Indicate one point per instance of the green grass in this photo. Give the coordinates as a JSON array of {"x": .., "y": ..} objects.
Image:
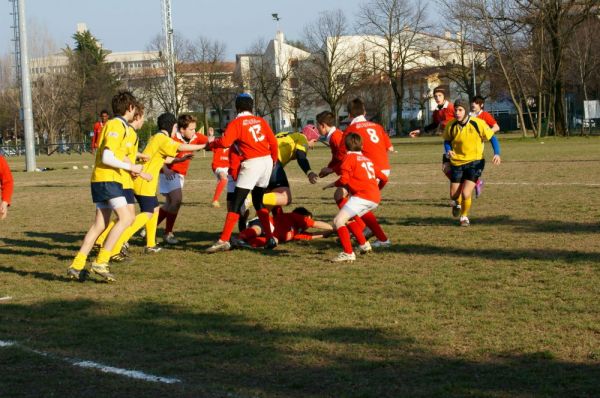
[{"x": 505, "y": 308}]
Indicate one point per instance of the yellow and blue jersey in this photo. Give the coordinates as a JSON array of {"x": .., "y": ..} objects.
[
  {"x": 159, "y": 147},
  {"x": 467, "y": 141},
  {"x": 288, "y": 144},
  {"x": 112, "y": 137}
]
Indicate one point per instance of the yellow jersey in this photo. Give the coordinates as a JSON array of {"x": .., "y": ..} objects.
[
  {"x": 467, "y": 141},
  {"x": 128, "y": 149},
  {"x": 159, "y": 147},
  {"x": 288, "y": 144},
  {"x": 112, "y": 136}
]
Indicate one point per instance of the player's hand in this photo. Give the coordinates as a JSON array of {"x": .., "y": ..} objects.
[
  {"x": 451, "y": 154},
  {"x": 146, "y": 176},
  {"x": 136, "y": 168},
  {"x": 414, "y": 133},
  {"x": 187, "y": 156},
  {"x": 496, "y": 160},
  {"x": 313, "y": 177},
  {"x": 325, "y": 171},
  {"x": 143, "y": 157},
  {"x": 331, "y": 185},
  {"x": 3, "y": 210}
]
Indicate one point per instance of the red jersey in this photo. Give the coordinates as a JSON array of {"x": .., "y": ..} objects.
[
  {"x": 6, "y": 180},
  {"x": 220, "y": 158},
  {"x": 486, "y": 117},
  {"x": 253, "y": 136},
  {"x": 375, "y": 141},
  {"x": 359, "y": 175},
  {"x": 441, "y": 116},
  {"x": 336, "y": 144},
  {"x": 98, "y": 126},
  {"x": 287, "y": 225},
  {"x": 182, "y": 167},
  {"x": 235, "y": 162}
]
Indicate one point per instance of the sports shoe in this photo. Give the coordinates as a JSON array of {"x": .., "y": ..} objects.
[
  {"x": 125, "y": 249},
  {"x": 152, "y": 249},
  {"x": 344, "y": 257},
  {"x": 219, "y": 246},
  {"x": 103, "y": 270},
  {"x": 455, "y": 209},
  {"x": 95, "y": 249},
  {"x": 240, "y": 244},
  {"x": 120, "y": 258},
  {"x": 271, "y": 244},
  {"x": 364, "y": 249},
  {"x": 216, "y": 204},
  {"x": 379, "y": 243},
  {"x": 77, "y": 274},
  {"x": 464, "y": 221},
  {"x": 170, "y": 239},
  {"x": 478, "y": 187}
]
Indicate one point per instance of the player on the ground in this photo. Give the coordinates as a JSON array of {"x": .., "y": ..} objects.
[
  {"x": 375, "y": 145},
  {"x": 220, "y": 167},
  {"x": 477, "y": 105},
  {"x": 258, "y": 148},
  {"x": 291, "y": 146},
  {"x": 463, "y": 145},
  {"x": 107, "y": 190},
  {"x": 363, "y": 179},
  {"x": 286, "y": 227},
  {"x": 172, "y": 177},
  {"x": 7, "y": 186}
]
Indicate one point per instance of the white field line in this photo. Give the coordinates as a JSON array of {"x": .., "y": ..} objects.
[{"x": 132, "y": 374}]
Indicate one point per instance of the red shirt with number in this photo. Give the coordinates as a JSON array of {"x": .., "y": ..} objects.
[
  {"x": 182, "y": 167},
  {"x": 335, "y": 138},
  {"x": 375, "y": 141},
  {"x": 359, "y": 175},
  {"x": 220, "y": 158},
  {"x": 253, "y": 136}
]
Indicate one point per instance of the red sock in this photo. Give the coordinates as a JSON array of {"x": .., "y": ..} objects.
[
  {"x": 259, "y": 241},
  {"x": 265, "y": 222},
  {"x": 248, "y": 234},
  {"x": 171, "y": 217},
  {"x": 345, "y": 239},
  {"x": 219, "y": 189},
  {"x": 162, "y": 214},
  {"x": 371, "y": 221},
  {"x": 356, "y": 225},
  {"x": 230, "y": 222}
]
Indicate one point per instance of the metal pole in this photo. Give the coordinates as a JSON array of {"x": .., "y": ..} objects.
[
  {"x": 169, "y": 53},
  {"x": 474, "y": 79},
  {"x": 26, "y": 91}
]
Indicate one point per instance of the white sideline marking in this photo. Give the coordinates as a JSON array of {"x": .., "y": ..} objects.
[{"x": 132, "y": 374}]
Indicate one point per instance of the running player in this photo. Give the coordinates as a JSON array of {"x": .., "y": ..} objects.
[
  {"x": 7, "y": 186},
  {"x": 477, "y": 105},
  {"x": 463, "y": 145},
  {"x": 220, "y": 167},
  {"x": 443, "y": 113}
]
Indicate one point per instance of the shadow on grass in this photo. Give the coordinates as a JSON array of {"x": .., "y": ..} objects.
[
  {"x": 219, "y": 352},
  {"x": 35, "y": 274}
]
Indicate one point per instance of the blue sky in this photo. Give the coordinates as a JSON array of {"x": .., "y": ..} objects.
[{"x": 126, "y": 25}]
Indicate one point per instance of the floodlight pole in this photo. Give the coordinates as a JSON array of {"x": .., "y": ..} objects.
[
  {"x": 169, "y": 51},
  {"x": 278, "y": 72},
  {"x": 26, "y": 91}
]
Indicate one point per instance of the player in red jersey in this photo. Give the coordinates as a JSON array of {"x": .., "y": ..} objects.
[
  {"x": 477, "y": 105},
  {"x": 172, "y": 175},
  {"x": 7, "y": 186},
  {"x": 220, "y": 167},
  {"x": 443, "y": 113},
  {"x": 364, "y": 180},
  {"x": 98, "y": 126},
  {"x": 258, "y": 149},
  {"x": 375, "y": 145},
  {"x": 286, "y": 227}
]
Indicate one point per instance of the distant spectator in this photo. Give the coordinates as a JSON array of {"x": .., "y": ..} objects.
[
  {"x": 6, "y": 184},
  {"x": 98, "y": 126}
]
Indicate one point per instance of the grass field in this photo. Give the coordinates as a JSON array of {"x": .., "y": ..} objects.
[{"x": 506, "y": 308}]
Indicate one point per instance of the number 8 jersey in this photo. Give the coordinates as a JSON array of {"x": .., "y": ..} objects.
[
  {"x": 359, "y": 175},
  {"x": 375, "y": 141}
]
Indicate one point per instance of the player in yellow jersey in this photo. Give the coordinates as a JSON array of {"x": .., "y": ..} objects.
[
  {"x": 463, "y": 145},
  {"x": 107, "y": 189},
  {"x": 291, "y": 146},
  {"x": 159, "y": 149}
]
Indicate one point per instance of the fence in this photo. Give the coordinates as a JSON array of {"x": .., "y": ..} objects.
[{"x": 46, "y": 149}]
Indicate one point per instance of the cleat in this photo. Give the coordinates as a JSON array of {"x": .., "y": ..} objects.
[
  {"x": 240, "y": 244},
  {"x": 344, "y": 257},
  {"x": 478, "y": 188},
  {"x": 271, "y": 243},
  {"x": 365, "y": 249},
  {"x": 367, "y": 233},
  {"x": 464, "y": 221},
  {"x": 143, "y": 233},
  {"x": 125, "y": 249},
  {"x": 103, "y": 270},
  {"x": 153, "y": 249},
  {"x": 455, "y": 209},
  {"x": 77, "y": 274},
  {"x": 219, "y": 246},
  {"x": 120, "y": 258},
  {"x": 379, "y": 243},
  {"x": 96, "y": 248},
  {"x": 216, "y": 204},
  {"x": 170, "y": 239}
]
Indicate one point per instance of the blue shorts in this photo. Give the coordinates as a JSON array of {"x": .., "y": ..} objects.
[
  {"x": 278, "y": 178},
  {"x": 467, "y": 172},
  {"x": 105, "y": 191},
  {"x": 147, "y": 203},
  {"x": 129, "y": 196}
]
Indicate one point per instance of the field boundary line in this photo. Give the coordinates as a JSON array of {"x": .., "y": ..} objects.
[{"x": 132, "y": 374}]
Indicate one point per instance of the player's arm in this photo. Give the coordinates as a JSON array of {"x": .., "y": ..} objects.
[
  {"x": 142, "y": 156},
  {"x": 231, "y": 135},
  {"x": 302, "y": 159},
  {"x": 496, "y": 147},
  {"x": 109, "y": 159},
  {"x": 273, "y": 145}
]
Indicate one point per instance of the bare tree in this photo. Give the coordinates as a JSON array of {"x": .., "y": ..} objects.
[
  {"x": 393, "y": 29},
  {"x": 50, "y": 107}
]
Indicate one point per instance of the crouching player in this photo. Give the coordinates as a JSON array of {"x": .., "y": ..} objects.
[
  {"x": 286, "y": 227},
  {"x": 463, "y": 144},
  {"x": 363, "y": 180}
]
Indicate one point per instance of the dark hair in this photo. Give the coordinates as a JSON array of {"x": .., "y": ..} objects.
[
  {"x": 326, "y": 117},
  {"x": 166, "y": 121},
  {"x": 353, "y": 142},
  {"x": 356, "y": 107},
  {"x": 440, "y": 89},
  {"x": 303, "y": 211},
  {"x": 183, "y": 121},
  {"x": 122, "y": 102},
  {"x": 103, "y": 111},
  {"x": 244, "y": 103},
  {"x": 139, "y": 110},
  {"x": 479, "y": 100}
]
